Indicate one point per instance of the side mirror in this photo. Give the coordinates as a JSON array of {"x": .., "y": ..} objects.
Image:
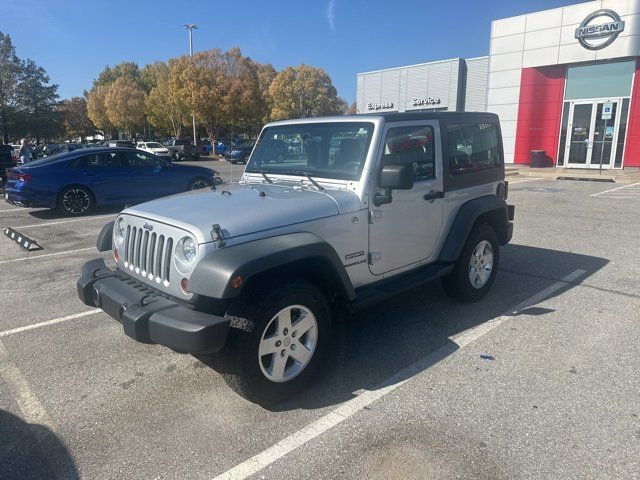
[{"x": 393, "y": 177}]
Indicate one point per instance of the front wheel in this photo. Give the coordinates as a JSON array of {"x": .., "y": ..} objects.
[
  {"x": 276, "y": 342},
  {"x": 199, "y": 183},
  {"x": 474, "y": 273},
  {"x": 75, "y": 201}
]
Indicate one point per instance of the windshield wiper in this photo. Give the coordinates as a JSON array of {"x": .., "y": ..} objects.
[
  {"x": 304, "y": 174},
  {"x": 264, "y": 175}
]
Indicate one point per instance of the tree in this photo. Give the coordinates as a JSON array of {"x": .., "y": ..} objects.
[
  {"x": 265, "y": 73},
  {"x": 151, "y": 74},
  {"x": 109, "y": 75},
  {"x": 304, "y": 91},
  {"x": 353, "y": 109},
  {"x": 164, "y": 108},
  {"x": 36, "y": 98},
  {"x": 96, "y": 108},
  {"x": 124, "y": 105},
  {"x": 75, "y": 118},
  {"x": 9, "y": 74}
]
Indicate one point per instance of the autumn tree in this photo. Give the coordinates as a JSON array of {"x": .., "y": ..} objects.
[
  {"x": 75, "y": 118},
  {"x": 127, "y": 70},
  {"x": 151, "y": 74},
  {"x": 124, "y": 105},
  {"x": 164, "y": 107},
  {"x": 96, "y": 108},
  {"x": 265, "y": 74},
  {"x": 304, "y": 91},
  {"x": 353, "y": 109}
]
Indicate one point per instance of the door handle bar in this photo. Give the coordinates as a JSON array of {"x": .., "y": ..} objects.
[{"x": 431, "y": 196}]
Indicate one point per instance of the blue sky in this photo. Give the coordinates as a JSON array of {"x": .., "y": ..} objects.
[{"x": 75, "y": 39}]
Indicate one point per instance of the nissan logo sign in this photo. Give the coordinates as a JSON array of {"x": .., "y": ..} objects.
[{"x": 594, "y": 36}]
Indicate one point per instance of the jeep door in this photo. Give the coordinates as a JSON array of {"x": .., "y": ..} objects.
[{"x": 405, "y": 232}]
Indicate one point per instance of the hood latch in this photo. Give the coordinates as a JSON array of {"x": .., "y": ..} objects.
[{"x": 217, "y": 236}]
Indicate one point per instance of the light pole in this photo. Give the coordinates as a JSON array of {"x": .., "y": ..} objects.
[{"x": 191, "y": 27}]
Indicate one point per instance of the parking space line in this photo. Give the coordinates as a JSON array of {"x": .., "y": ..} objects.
[
  {"x": 17, "y": 209},
  {"x": 522, "y": 181},
  {"x": 33, "y": 326},
  {"x": 349, "y": 408},
  {"x": 31, "y": 257},
  {"x": 62, "y": 221},
  {"x": 614, "y": 189}
]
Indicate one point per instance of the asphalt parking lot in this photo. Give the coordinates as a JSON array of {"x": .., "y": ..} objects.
[{"x": 539, "y": 380}]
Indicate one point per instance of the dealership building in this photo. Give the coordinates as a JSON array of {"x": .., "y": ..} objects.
[{"x": 564, "y": 81}]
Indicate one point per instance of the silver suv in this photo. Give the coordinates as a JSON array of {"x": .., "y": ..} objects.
[{"x": 364, "y": 207}]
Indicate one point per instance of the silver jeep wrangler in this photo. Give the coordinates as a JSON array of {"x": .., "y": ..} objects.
[{"x": 361, "y": 208}]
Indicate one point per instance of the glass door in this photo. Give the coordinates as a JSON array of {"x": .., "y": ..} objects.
[{"x": 592, "y": 135}]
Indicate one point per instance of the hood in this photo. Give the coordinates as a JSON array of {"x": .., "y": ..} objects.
[{"x": 242, "y": 209}]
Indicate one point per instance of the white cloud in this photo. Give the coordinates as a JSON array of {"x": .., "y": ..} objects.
[{"x": 331, "y": 17}]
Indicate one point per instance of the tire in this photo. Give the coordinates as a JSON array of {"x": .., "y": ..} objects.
[
  {"x": 199, "y": 183},
  {"x": 257, "y": 378},
  {"x": 458, "y": 284},
  {"x": 75, "y": 201}
]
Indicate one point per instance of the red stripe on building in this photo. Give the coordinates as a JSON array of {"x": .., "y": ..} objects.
[
  {"x": 539, "y": 111},
  {"x": 632, "y": 151}
]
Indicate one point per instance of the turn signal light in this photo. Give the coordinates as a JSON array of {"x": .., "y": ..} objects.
[
  {"x": 237, "y": 281},
  {"x": 116, "y": 255},
  {"x": 184, "y": 284}
]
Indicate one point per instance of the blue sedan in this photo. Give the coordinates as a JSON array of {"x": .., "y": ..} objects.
[{"x": 78, "y": 181}]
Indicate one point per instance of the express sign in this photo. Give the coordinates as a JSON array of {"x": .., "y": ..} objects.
[{"x": 594, "y": 34}]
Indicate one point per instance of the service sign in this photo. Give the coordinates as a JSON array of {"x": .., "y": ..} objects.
[
  {"x": 607, "y": 111},
  {"x": 380, "y": 106}
]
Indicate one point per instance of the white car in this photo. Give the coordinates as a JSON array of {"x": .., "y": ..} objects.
[{"x": 155, "y": 148}]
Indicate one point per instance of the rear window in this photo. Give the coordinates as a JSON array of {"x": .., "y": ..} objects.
[
  {"x": 473, "y": 147},
  {"x": 182, "y": 142}
]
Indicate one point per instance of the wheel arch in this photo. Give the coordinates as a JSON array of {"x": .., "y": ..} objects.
[
  {"x": 490, "y": 210},
  {"x": 297, "y": 255}
]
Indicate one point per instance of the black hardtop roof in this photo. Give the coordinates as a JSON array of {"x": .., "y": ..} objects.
[{"x": 448, "y": 116}]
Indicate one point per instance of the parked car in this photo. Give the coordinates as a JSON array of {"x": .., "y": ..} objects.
[
  {"x": 180, "y": 149},
  {"x": 119, "y": 143},
  {"x": 7, "y": 161},
  {"x": 256, "y": 270},
  {"x": 155, "y": 148},
  {"x": 78, "y": 181},
  {"x": 240, "y": 154}
]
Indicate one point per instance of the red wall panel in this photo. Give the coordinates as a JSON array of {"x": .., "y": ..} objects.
[
  {"x": 632, "y": 151},
  {"x": 539, "y": 111}
]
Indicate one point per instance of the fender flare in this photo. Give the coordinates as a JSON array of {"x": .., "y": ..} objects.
[
  {"x": 213, "y": 273},
  {"x": 105, "y": 238},
  {"x": 464, "y": 221}
]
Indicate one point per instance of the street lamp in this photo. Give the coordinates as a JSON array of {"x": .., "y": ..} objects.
[{"x": 191, "y": 27}]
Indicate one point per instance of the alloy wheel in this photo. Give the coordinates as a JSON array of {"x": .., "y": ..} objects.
[
  {"x": 288, "y": 343},
  {"x": 481, "y": 264},
  {"x": 76, "y": 201}
]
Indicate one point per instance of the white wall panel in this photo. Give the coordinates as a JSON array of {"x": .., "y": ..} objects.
[
  {"x": 574, "y": 14},
  {"x": 476, "y": 88},
  {"x": 501, "y": 96},
  {"x": 623, "y": 7},
  {"x": 505, "y": 78},
  {"x": 575, "y": 53},
  {"x": 506, "y": 61},
  {"x": 622, "y": 47},
  {"x": 549, "y": 37},
  {"x": 508, "y": 128},
  {"x": 512, "y": 43},
  {"x": 543, "y": 20},
  {"x": 508, "y": 26},
  {"x": 540, "y": 57}
]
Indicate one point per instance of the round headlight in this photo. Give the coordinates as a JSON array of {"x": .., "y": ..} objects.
[
  {"x": 187, "y": 249},
  {"x": 120, "y": 229}
]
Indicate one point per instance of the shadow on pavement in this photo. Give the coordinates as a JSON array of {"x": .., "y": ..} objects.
[
  {"x": 29, "y": 451},
  {"x": 49, "y": 214},
  {"x": 373, "y": 345}
]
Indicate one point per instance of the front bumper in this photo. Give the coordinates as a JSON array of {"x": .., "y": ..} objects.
[{"x": 146, "y": 315}]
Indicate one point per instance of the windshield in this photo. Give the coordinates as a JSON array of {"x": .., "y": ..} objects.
[
  {"x": 247, "y": 144},
  {"x": 154, "y": 145},
  {"x": 327, "y": 150}
]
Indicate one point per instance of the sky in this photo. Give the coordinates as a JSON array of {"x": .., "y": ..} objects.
[{"x": 75, "y": 39}]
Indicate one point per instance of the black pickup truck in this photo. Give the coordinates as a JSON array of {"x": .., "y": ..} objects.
[{"x": 7, "y": 161}]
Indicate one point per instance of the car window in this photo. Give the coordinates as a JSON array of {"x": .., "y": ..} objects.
[
  {"x": 473, "y": 147},
  {"x": 97, "y": 160},
  {"x": 411, "y": 145},
  {"x": 139, "y": 159}
]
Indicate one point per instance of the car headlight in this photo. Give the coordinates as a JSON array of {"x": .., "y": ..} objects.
[
  {"x": 120, "y": 230},
  {"x": 186, "y": 252}
]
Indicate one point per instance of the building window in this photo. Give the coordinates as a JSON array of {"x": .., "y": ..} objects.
[
  {"x": 601, "y": 80},
  {"x": 412, "y": 145},
  {"x": 622, "y": 133},
  {"x": 563, "y": 133},
  {"x": 473, "y": 147}
]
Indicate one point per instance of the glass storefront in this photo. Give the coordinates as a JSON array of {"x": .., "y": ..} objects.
[{"x": 595, "y": 114}]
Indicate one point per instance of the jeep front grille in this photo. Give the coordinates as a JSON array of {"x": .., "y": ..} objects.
[{"x": 148, "y": 254}]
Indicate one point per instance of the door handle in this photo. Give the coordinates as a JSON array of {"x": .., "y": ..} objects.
[{"x": 433, "y": 195}]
